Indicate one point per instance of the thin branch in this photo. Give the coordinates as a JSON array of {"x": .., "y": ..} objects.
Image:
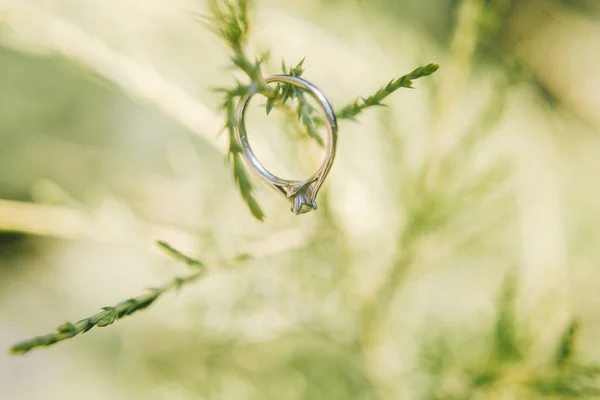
[
  {"x": 110, "y": 314},
  {"x": 230, "y": 20},
  {"x": 179, "y": 256},
  {"x": 240, "y": 173},
  {"x": 359, "y": 105}
]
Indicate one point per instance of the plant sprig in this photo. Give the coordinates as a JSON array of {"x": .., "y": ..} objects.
[
  {"x": 179, "y": 256},
  {"x": 305, "y": 112},
  {"x": 111, "y": 314},
  {"x": 229, "y": 19},
  {"x": 351, "y": 111}
]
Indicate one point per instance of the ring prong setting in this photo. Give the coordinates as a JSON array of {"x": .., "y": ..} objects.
[{"x": 302, "y": 201}]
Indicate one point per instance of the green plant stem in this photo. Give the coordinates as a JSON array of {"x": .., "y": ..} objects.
[
  {"x": 179, "y": 256},
  {"x": 240, "y": 174},
  {"x": 106, "y": 317},
  {"x": 359, "y": 105},
  {"x": 111, "y": 314}
]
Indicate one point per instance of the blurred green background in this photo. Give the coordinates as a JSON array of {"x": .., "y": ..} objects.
[{"x": 454, "y": 254}]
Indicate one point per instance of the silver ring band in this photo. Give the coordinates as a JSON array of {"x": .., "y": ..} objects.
[{"x": 301, "y": 194}]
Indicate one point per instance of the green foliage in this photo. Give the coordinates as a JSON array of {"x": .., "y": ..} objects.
[
  {"x": 568, "y": 382},
  {"x": 566, "y": 378},
  {"x": 565, "y": 348},
  {"x": 506, "y": 343},
  {"x": 230, "y": 20},
  {"x": 508, "y": 367},
  {"x": 491, "y": 26},
  {"x": 304, "y": 110},
  {"x": 111, "y": 314}
]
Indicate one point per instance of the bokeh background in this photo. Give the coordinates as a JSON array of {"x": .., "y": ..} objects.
[{"x": 457, "y": 238}]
